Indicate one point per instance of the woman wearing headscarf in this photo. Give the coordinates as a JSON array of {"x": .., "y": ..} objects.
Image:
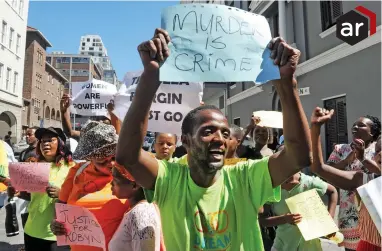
[
  {"x": 89, "y": 184},
  {"x": 50, "y": 149},
  {"x": 350, "y": 180},
  {"x": 356, "y": 156}
]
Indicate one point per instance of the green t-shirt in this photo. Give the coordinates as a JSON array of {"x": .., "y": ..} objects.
[
  {"x": 182, "y": 160},
  {"x": 41, "y": 207},
  {"x": 220, "y": 217},
  {"x": 288, "y": 236}
]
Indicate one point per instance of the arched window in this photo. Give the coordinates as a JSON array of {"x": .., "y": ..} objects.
[
  {"x": 53, "y": 116},
  {"x": 47, "y": 113}
]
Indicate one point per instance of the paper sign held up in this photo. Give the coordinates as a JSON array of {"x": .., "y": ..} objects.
[
  {"x": 370, "y": 194},
  {"x": 270, "y": 119},
  {"x": 29, "y": 177},
  {"x": 91, "y": 98},
  {"x": 216, "y": 43},
  {"x": 82, "y": 226},
  {"x": 316, "y": 221},
  {"x": 171, "y": 103}
]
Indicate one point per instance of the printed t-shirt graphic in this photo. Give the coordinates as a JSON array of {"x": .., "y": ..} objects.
[
  {"x": 220, "y": 217},
  {"x": 93, "y": 191}
]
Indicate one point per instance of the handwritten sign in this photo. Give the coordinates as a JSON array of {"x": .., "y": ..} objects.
[
  {"x": 316, "y": 221},
  {"x": 371, "y": 195},
  {"x": 233, "y": 161},
  {"x": 270, "y": 119},
  {"x": 171, "y": 103},
  {"x": 216, "y": 43},
  {"x": 91, "y": 98},
  {"x": 83, "y": 228},
  {"x": 29, "y": 177}
]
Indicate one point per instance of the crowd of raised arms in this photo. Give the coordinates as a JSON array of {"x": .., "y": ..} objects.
[{"x": 184, "y": 198}]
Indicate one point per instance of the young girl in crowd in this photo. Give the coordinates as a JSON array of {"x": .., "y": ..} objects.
[
  {"x": 350, "y": 180},
  {"x": 140, "y": 228},
  {"x": 89, "y": 184},
  {"x": 51, "y": 149},
  {"x": 351, "y": 157}
]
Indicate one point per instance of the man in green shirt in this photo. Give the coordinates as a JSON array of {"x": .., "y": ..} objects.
[{"x": 206, "y": 206}]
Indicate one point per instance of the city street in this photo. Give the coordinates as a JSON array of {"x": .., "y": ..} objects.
[
  {"x": 9, "y": 243},
  {"x": 14, "y": 243}
]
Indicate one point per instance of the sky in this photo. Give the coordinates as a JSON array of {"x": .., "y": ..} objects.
[{"x": 121, "y": 25}]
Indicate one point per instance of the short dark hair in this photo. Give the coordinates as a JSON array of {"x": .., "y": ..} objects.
[
  {"x": 9, "y": 132},
  {"x": 375, "y": 127},
  {"x": 159, "y": 133},
  {"x": 189, "y": 121},
  {"x": 237, "y": 130}
]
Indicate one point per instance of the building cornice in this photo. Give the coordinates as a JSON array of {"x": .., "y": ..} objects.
[{"x": 336, "y": 53}]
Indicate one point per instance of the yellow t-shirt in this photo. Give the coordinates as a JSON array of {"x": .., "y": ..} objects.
[{"x": 41, "y": 207}]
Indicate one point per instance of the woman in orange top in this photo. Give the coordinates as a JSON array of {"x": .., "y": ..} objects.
[
  {"x": 89, "y": 184},
  {"x": 350, "y": 180}
]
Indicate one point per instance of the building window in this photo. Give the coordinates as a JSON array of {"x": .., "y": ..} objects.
[
  {"x": 336, "y": 130},
  {"x": 88, "y": 40},
  {"x": 63, "y": 60},
  {"x": 330, "y": 12},
  {"x": 11, "y": 31},
  {"x": 1, "y": 74},
  {"x": 91, "y": 49},
  {"x": 21, "y": 8},
  {"x": 221, "y": 102},
  {"x": 3, "y": 32},
  {"x": 83, "y": 44},
  {"x": 39, "y": 57},
  {"x": 80, "y": 60},
  {"x": 15, "y": 79},
  {"x": 18, "y": 43},
  {"x": 14, "y": 3},
  {"x": 236, "y": 121},
  {"x": 49, "y": 60},
  {"x": 8, "y": 79}
]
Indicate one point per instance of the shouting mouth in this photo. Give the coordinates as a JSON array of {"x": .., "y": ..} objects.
[{"x": 217, "y": 155}]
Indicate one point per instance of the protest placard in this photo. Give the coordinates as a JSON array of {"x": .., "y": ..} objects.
[
  {"x": 316, "y": 221},
  {"x": 171, "y": 103},
  {"x": 217, "y": 43},
  {"x": 272, "y": 119},
  {"x": 91, "y": 98},
  {"x": 371, "y": 195},
  {"x": 82, "y": 226},
  {"x": 29, "y": 177}
]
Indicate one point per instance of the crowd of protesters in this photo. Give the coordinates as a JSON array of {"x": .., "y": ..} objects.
[{"x": 186, "y": 197}]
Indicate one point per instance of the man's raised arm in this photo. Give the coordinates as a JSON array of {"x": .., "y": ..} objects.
[
  {"x": 296, "y": 154},
  {"x": 142, "y": 166}
]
